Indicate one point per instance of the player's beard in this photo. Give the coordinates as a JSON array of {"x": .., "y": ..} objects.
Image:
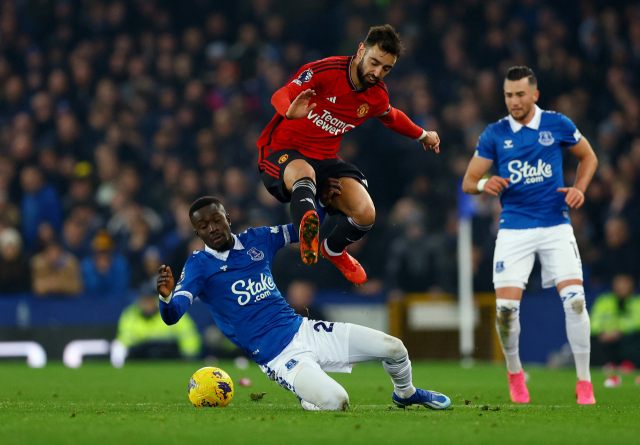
[{"x": 362, "y": 77}]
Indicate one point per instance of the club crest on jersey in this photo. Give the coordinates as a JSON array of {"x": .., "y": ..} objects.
[
  {"x": 499, "y": 266},
  {"x": 255, "y": 254},
  {"x": 304, "y": 76},
  {"x": 546, "y": 138},
  {"x": 283, "y": 159},
  {"x": 362, "y": 110}
]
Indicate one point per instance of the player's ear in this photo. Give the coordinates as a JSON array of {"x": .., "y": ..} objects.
[
  {"x": 361, "y": 50},
  {"x": 536, "y": 96},
  {"x": 229, "y": 220},
  {"x": 196, "y": 232}
]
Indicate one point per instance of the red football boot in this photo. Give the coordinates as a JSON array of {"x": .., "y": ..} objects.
[
  {"x": 350, "y": 268},
  {"x": 518, "y": 388},
  {"x": 584, "y": 392}
]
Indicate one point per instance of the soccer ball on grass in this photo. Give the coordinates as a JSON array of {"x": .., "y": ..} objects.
[{"x": 210, "y": 386}]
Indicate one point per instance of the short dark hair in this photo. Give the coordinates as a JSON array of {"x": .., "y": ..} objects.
[
  {"x": 520, "y": 72},
  {"x": 203, "y": 201},
  {"x": 387, "y": 38}
]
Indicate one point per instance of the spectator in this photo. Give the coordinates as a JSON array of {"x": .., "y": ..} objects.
[
  {"x": 40, "y": 203},
  {"x": 55, "y": 272},
  {"x": 142, "y": 330},
  {"x": 106, "y": 272},
  {"x": 615, "y": 326},
  {"x": 14, "y": 269}
]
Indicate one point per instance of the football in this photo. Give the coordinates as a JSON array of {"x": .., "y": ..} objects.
[{"x": 211, "y": 387}]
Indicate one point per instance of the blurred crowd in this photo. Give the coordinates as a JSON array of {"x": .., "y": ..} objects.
[{"x": 116, "y": 115}]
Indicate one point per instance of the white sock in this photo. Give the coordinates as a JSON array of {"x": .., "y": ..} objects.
[
  {"x": 400, "y": 373},
  {"x": 578, "y": 328},
  {"x": 329, "y": 251},
  {"x": 508, "y": 327}
]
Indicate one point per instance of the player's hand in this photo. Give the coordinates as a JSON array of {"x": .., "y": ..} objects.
[
  {"x": 574, "y": 198},
  {"x": 330, "y": 188},
  {"x": 165, "y": 282},
  {"x": 300, "y": 107},
  {"x": 495, "y": 185},
  {"x": 431, "y": 141}
]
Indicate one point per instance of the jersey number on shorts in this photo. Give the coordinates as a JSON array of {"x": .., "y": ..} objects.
[{"x": 319, "y": 324}]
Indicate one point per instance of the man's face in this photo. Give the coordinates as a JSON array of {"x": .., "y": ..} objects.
[
  {"x": 520, "y": 98},
  {"x": 374, "y": 65},
  {"x": 212, "y": 225}
]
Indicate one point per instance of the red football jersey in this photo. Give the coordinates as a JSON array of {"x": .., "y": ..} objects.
[{"x": 340, "y": 108}]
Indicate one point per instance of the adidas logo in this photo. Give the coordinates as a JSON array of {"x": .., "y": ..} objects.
[{"x": 332, "y": 99}]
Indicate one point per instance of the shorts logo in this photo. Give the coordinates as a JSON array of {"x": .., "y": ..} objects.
[
  {"x": 255, "y": 254},
  {"x": 500, "y": 266},
  {"x": 363, "y": 110},
  {"x": 291, "y": 364},
  {"x": 546, "y": 138},
  {"x": 283, "y": 159}
]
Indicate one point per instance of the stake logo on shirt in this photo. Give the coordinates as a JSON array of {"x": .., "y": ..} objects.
[
  {"x": 260, "y": 290},
  {"x": 531, "y": 174}
]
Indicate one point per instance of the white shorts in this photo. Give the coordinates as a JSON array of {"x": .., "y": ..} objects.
[
  {"x": 319, "y": 344},
  {"x": 515, "y": 252}
]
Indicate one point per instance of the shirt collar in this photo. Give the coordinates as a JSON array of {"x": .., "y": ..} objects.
[
  {"x": 222, "y": 256},
  {"x": 534, "y": 124}
]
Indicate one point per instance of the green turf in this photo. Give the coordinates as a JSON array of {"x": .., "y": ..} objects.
[{"x": 147, "y": 403}]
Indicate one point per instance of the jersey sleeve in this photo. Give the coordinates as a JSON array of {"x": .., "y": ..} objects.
[
  {"x": 188, "y": 287},
  {"x": 569, "y": 133},
  {"x": 486, "y": 147},
  {"x": 277, "y": 237}
]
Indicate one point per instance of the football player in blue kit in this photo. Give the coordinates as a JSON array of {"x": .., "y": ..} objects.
[
  {"x": 526, "y": 148},
  {"x": 232, "y": 276}
]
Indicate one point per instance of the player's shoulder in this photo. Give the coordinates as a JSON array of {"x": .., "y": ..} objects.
[
  {"x": 381, "y": 88},
  {"x": 550, "y": 117},
  {"x": 328, "y": 63},
  {"x": 498, "y": 127}
]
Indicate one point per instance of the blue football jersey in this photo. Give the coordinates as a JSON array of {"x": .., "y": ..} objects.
[
  {"x": 238, "y": 288},
  {"x": 531, "y": 156}
]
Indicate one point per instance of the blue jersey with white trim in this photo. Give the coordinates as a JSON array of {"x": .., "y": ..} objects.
[
  {"x": 238, "y": 288},
  {"x": 531, "y": 156}
]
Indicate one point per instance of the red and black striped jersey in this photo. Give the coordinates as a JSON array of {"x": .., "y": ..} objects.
[{"x": 340, "y": 108}]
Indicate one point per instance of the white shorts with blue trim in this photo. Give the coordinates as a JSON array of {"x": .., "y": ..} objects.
[
  {"x": 319, "y": 344},
  {"x": 516, "y": 249}
]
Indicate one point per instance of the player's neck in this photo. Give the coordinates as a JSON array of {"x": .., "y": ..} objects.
[{"x": 353, "y": 72}]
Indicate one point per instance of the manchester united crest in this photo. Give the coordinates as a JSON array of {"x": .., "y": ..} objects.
[
  {"x": 363, "y": 110},
  {"x": 283, "y": 159}
]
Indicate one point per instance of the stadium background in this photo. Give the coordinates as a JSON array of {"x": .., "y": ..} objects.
[{"x": 117, "y": 115}]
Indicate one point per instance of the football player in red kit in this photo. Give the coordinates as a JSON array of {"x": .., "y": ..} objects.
[{"x": 298, "y": 149}]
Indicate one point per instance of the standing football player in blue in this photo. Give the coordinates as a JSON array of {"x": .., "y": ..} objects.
[
  {"x": 526, "y": 148},
  {"x": 232, "y": 276}
]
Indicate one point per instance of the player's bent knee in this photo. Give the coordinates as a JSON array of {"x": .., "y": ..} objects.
[
  {"x": 298, "y": 169},
  {"x": 337, "y": 401},
  {"x": 395, "y": 348}
]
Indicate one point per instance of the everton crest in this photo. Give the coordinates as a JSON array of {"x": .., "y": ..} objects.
[
  {"x": 546, "y": 138},
  {"x": 255, "y": 254}
]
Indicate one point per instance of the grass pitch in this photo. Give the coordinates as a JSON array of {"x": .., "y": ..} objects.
[{"x": 146, "y": 403}]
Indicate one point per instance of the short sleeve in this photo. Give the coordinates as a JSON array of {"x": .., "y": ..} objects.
[
  {"x": 192, "y": 278},
  {"x": 486, "y": 148},
  {"x": 569, "y": 133},
  {"x": 278, "y": 237}
]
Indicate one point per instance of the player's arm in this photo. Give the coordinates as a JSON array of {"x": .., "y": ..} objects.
[
  {"x": 399, "y": 122},
  {"x": 172, "y": 306},
  {"x": 473, "y": 182},
  {"x": 586, "y": 169}
]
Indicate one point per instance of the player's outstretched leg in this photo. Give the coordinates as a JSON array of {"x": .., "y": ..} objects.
[
  {"x": 367, "y": 344},
  {"x": 305, "y": 218},
  {"x": 319, "y": 392},
  {"x": 508, "y": 327},
  {"x": 578, "y": 334}
]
